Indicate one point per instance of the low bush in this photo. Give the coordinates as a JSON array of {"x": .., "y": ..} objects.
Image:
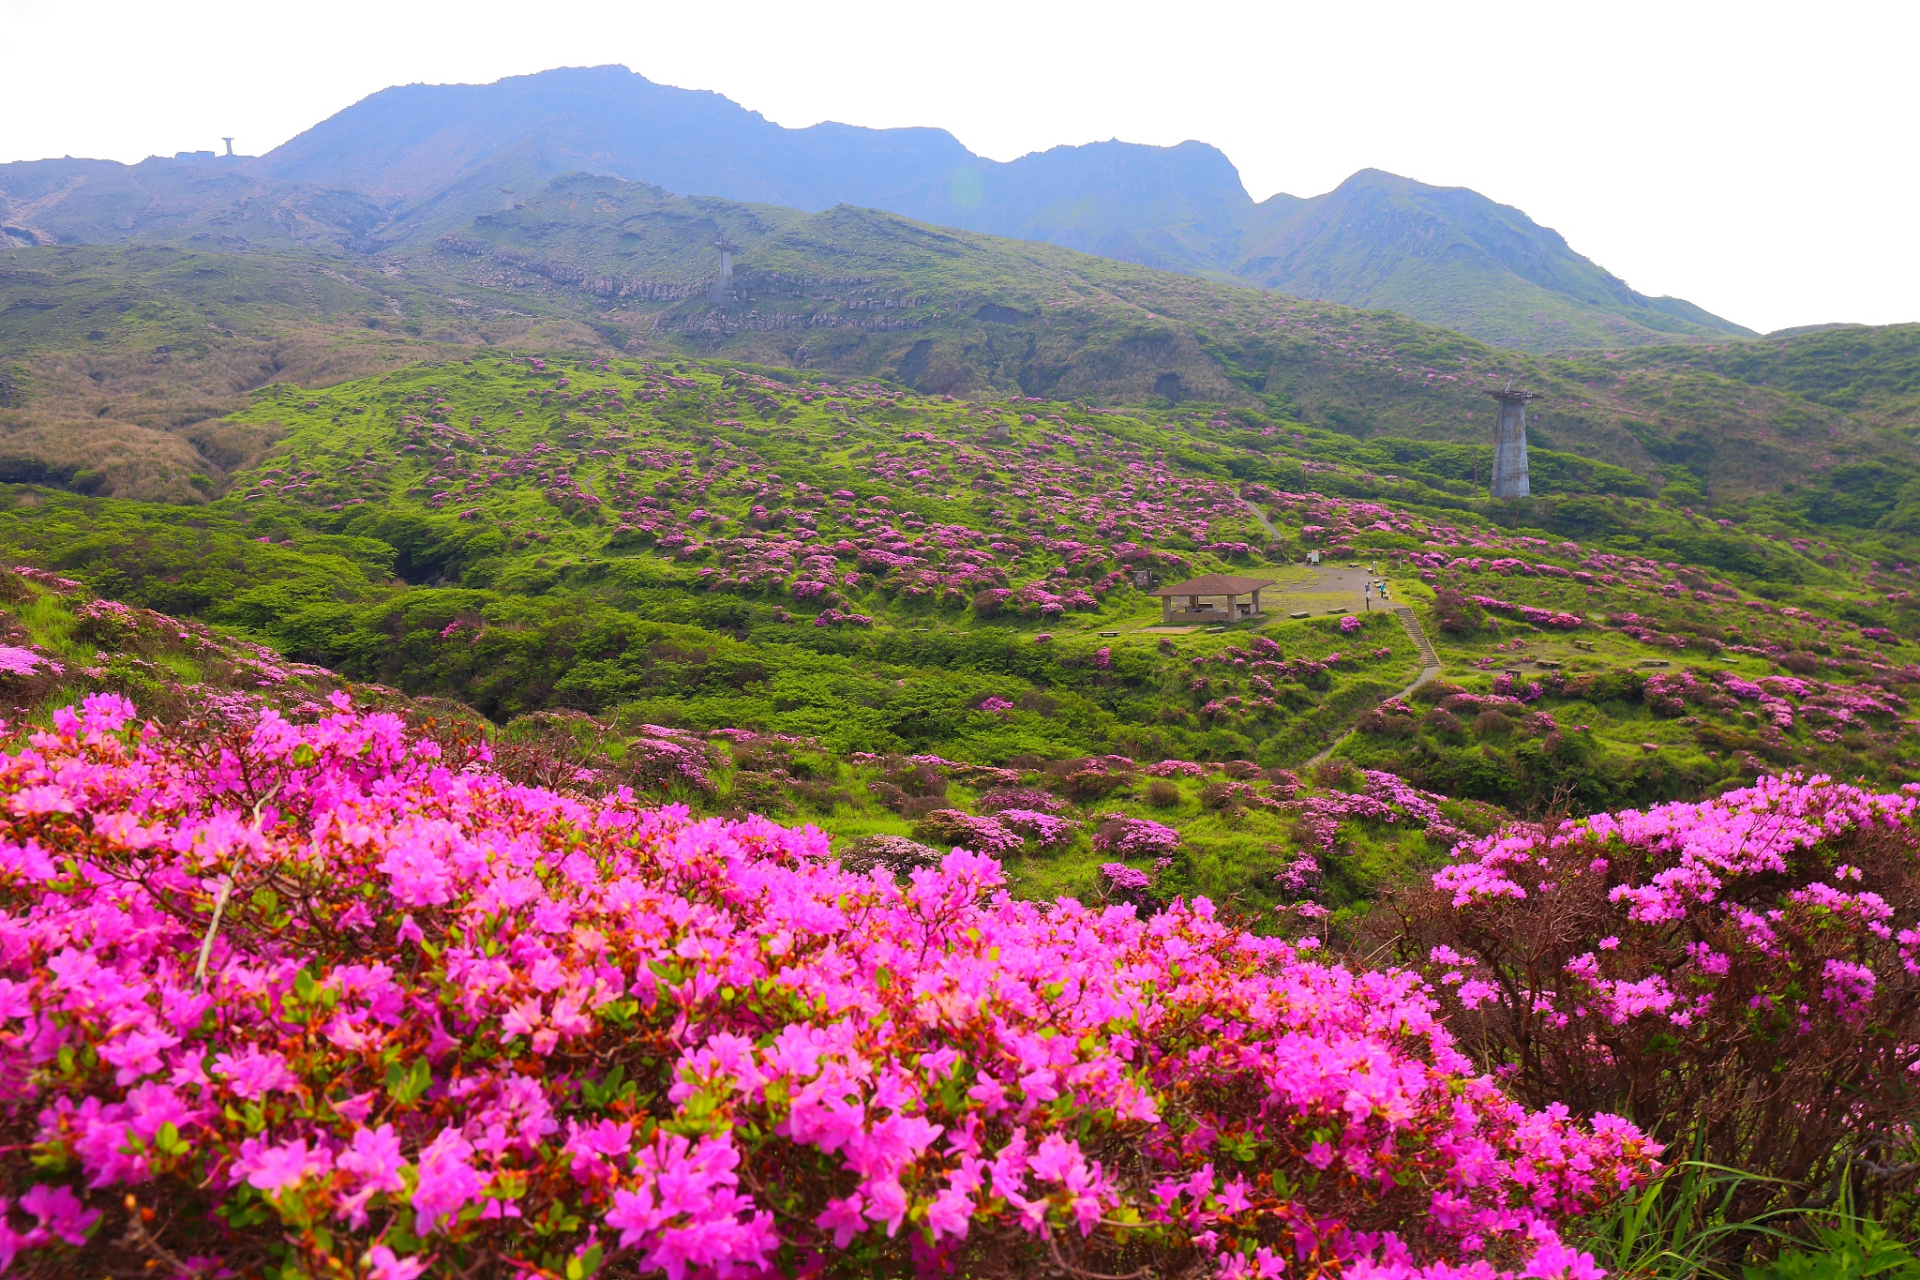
[
  {"x": 1456, "y": 614},
  {"x": 951, "y": 828}
]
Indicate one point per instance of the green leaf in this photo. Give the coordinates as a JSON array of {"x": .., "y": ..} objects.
[
  {"x": 600, "y": 1093},
  {"x": 406, "y": 1086}
]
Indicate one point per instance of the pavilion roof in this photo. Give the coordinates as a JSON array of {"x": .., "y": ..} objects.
[{"x": 1213, "y": 584}]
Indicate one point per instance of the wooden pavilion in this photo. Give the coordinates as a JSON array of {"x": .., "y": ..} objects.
[{"x": 1214, "y": 597}]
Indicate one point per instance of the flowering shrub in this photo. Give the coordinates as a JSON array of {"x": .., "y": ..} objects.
[
  {"x": 1456, "y": 614},
  {"x": 1527, "y": 613},
  {"x": 663, "y": 758},
  {"x": 988, "y": 603},
  {"x": 1135, "y": 837},
  {"x": 111, "y": 624},
  {"x": 16, "y": 661},
  {"x": 1044, "y": 829},
  {"x": 1177, "y": 769},
  {"x": 308, "y": 999},
  {"x": 951, "y": 827},
  {"x": 1517, "y": 691},
  {"x": 1094, "y": 777},
  {"x": 896, "y": 854},
  {"x": 1300, "y": 875},
  {"x": 1019, "y": 798},
  {"x": 1383, "y": 798},
  {"x": 1744, "y": 970},
  {"x": 1349, "y": 624}
]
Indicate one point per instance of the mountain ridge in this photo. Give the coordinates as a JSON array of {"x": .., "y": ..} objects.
[{"x": 424, "y": 157}]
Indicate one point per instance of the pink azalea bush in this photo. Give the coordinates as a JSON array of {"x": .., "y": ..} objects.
[
  {"x": 1135, "y": 837},
  {"x": 318, "y": 999},
  {"x": 18, "y": 661},
  {"x": 1048, "y": 831},
  {"x": 1177, "y": 769},
  {"x": 954, "y": 828},
  {"x": 1744, "y": 971},
  {"x": 1384, "y": 798},
  {"x": 1009, "y": 797}
]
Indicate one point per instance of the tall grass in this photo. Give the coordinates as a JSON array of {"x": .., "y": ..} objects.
[{"x": 1678, "y": 1227}]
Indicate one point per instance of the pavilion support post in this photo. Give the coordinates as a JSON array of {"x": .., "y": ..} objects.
[
  {"x": 1256, "y": 602},
  {"x": 1166, "y": 610}
]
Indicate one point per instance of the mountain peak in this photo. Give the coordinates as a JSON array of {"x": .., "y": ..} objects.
[{"x": 419, "y": 155}]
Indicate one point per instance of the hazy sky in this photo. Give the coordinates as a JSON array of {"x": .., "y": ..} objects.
[{"x": 1755, "y": 158}]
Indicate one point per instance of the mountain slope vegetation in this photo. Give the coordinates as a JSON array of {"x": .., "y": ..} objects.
[
  {"x": 1452, "y": 257},
  {"x": 853, "y": 573},
  {"x": 597, "y": 264}
]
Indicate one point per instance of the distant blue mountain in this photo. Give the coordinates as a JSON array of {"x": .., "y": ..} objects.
[
  {"x": 414, "y": 140},
  {"x": 427, "y": 155}
]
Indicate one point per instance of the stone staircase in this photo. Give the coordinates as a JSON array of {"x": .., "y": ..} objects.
[{"x": 1428, "y": 658}]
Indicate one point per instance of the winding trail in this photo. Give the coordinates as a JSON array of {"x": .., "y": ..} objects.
[
  {"x": 1429, "y": 670},
  {"x": 1261, "y": 516}
]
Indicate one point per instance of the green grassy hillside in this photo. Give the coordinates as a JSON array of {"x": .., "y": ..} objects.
[
  {"x": 118, "y": 362},
  {"x": 993, "y": 316},
  {"x": 596, "y": 265},
  {"x": 850, "y": 573},
  {"x": 1872, "y": 373}
]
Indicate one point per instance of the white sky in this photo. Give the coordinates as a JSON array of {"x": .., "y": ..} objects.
[{"x": 1756, "y": 158}]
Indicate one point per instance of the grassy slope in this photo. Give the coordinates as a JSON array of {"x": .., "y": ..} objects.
[
  {"x": 1110, "y": 331},
  {"x": 1452, "y": 257},
  {"x": 336, "y": 549},
  {"x": 116, "y": 362},
  {"x": 583, "y": 269},
  {"x": 1871, "y": 372}
]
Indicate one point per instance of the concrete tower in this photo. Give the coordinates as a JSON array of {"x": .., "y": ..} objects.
[
  {"x": 229, "y": 142},
  {"x": 721, "y": 292},
  {"x": 1510, "y": 444},
  {"x": 506, "y": 199}
]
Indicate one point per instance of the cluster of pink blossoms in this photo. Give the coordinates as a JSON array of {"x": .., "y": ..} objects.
[
  {"x": 1135, "y": 837},
  {"x": 1660, "y": 962},
  {"x": 1746, "y": 873},
  {"x": 315, "y": 997}
]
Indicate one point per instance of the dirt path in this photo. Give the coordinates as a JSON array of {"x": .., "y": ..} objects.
[
  {"x": 1261, "y": 516},
  {"x": 1429, "y": 670}
]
